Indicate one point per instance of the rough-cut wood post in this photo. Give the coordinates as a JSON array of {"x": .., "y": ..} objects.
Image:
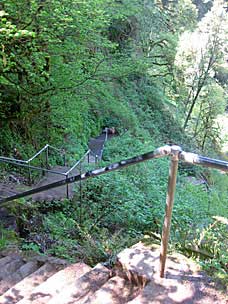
[{"x": 169, "y": 208}]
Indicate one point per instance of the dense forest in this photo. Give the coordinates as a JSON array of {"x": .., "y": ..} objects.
[{"x": 157, "y": 72}]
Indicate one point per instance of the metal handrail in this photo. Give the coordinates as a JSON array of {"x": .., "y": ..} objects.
[
  {"x": 37, "y": 154},
  {"x": 26, "y": 163},
  {"x": 164, "y": 151},
  {"x": 176, "y": 154},
  {"x": 6, "y": 159},
  {"x": 34, "y": 167},
  {"x": 77, "y": 163},
  {"x": 34, "y": 156},
  {"x": 73, "y": 167},
  {"x": 56, "y": 149}
]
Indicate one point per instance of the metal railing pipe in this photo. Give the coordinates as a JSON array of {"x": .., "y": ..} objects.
[
  {"x": 33, "y": 167},
  {"x": 33, "y": 157},
  {"x": 56, "y": 149},
  {"x": 38, "y": 153},
  {"x": 176, "y": 154},
  {"x": 78, "y": 162},
  {"x": 196, "y": 159},
  {"x": 9, "y": 159},
  {"x": 160, "y": 152}
]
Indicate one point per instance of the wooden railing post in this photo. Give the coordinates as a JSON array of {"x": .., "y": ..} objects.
[{"x": 169, "y": 207}]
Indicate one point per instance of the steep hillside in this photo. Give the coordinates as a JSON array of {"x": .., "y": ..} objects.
[{"x": 156, "y": 72}]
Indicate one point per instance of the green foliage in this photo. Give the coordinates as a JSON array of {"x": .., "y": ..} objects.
[
  {"x": 8, "y": 238},
  {"x": 68, "y": 69}
]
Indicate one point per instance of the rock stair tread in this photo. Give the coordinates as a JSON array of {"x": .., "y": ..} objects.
[
  {"x": 12, "y": 279},
  {"x": 84, "y": 286},
  {"x": 182, "y": 282},
  {"x": 5, "y": 260},
  {"x": 55, "y": 284},
  {"x": 166, "y": 291},
  {"x": 25, "y": 286},
  {"x": 135, "y": 280},
  {"x": 9, "y": 268},
  {"x": 141, "y": 265},
  {"x": 117, "y": 290}
]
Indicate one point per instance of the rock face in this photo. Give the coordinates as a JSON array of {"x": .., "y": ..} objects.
[{"x": 133, "y": 280}]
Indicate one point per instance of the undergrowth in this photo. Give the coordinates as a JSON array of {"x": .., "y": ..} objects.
[{"x": 115, "y": 210}]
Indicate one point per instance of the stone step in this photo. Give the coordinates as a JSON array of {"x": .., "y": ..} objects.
[
  {"x": 83, "y": 287},
  {"x": 115, "y": 291},
  {"x": 56, "y": 283},
  {"x": 12, "y": 279},
  {"x": 5, "y": 260},
  {"x": 141, "y": 265},
  {"x": 138, "y": 263},
  {"x": 10, "y": 267},
  {"x": 167, "y": 291},
  {"x": 25, "y": 286}
]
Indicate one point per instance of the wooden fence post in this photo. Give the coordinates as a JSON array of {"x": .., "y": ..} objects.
[{"x": 169, "y": 207}]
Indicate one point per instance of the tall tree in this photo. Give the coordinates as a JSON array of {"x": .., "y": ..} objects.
[{"x": 200, "y": 53}]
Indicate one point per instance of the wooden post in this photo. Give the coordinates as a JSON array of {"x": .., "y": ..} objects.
[{"x": 168, "y": 210}]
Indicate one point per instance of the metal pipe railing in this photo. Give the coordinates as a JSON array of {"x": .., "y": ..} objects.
[
  {"x": 33, "y": 167},
  {"x": 33, "y": 157},
  {"x": 196, "y": 159},
  {"x": 37, "y": 154},
  {"x": 176, "y": 154},
  {"x": 13, "y": 159},
  {"x": 158, "y": 153},
  {"x": 78, "y": 162},
  {"x": 90, "y": 174},
  {"x": 27, "y": 163},
  {"x": 72, "y": 168}
]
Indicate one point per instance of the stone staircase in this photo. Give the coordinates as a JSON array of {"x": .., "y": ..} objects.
[{"x": 134, "y": 279}]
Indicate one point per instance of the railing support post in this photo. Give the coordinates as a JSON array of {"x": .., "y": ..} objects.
[
  {"x": 67, "y": 188},
  {"x": 169, "y": 207},
  {"x": 80, "y": 187},
  {"x": 47, "y": 152},
  {"x": 29, "y": 175},
  {"x": 64, "y": 158}
]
